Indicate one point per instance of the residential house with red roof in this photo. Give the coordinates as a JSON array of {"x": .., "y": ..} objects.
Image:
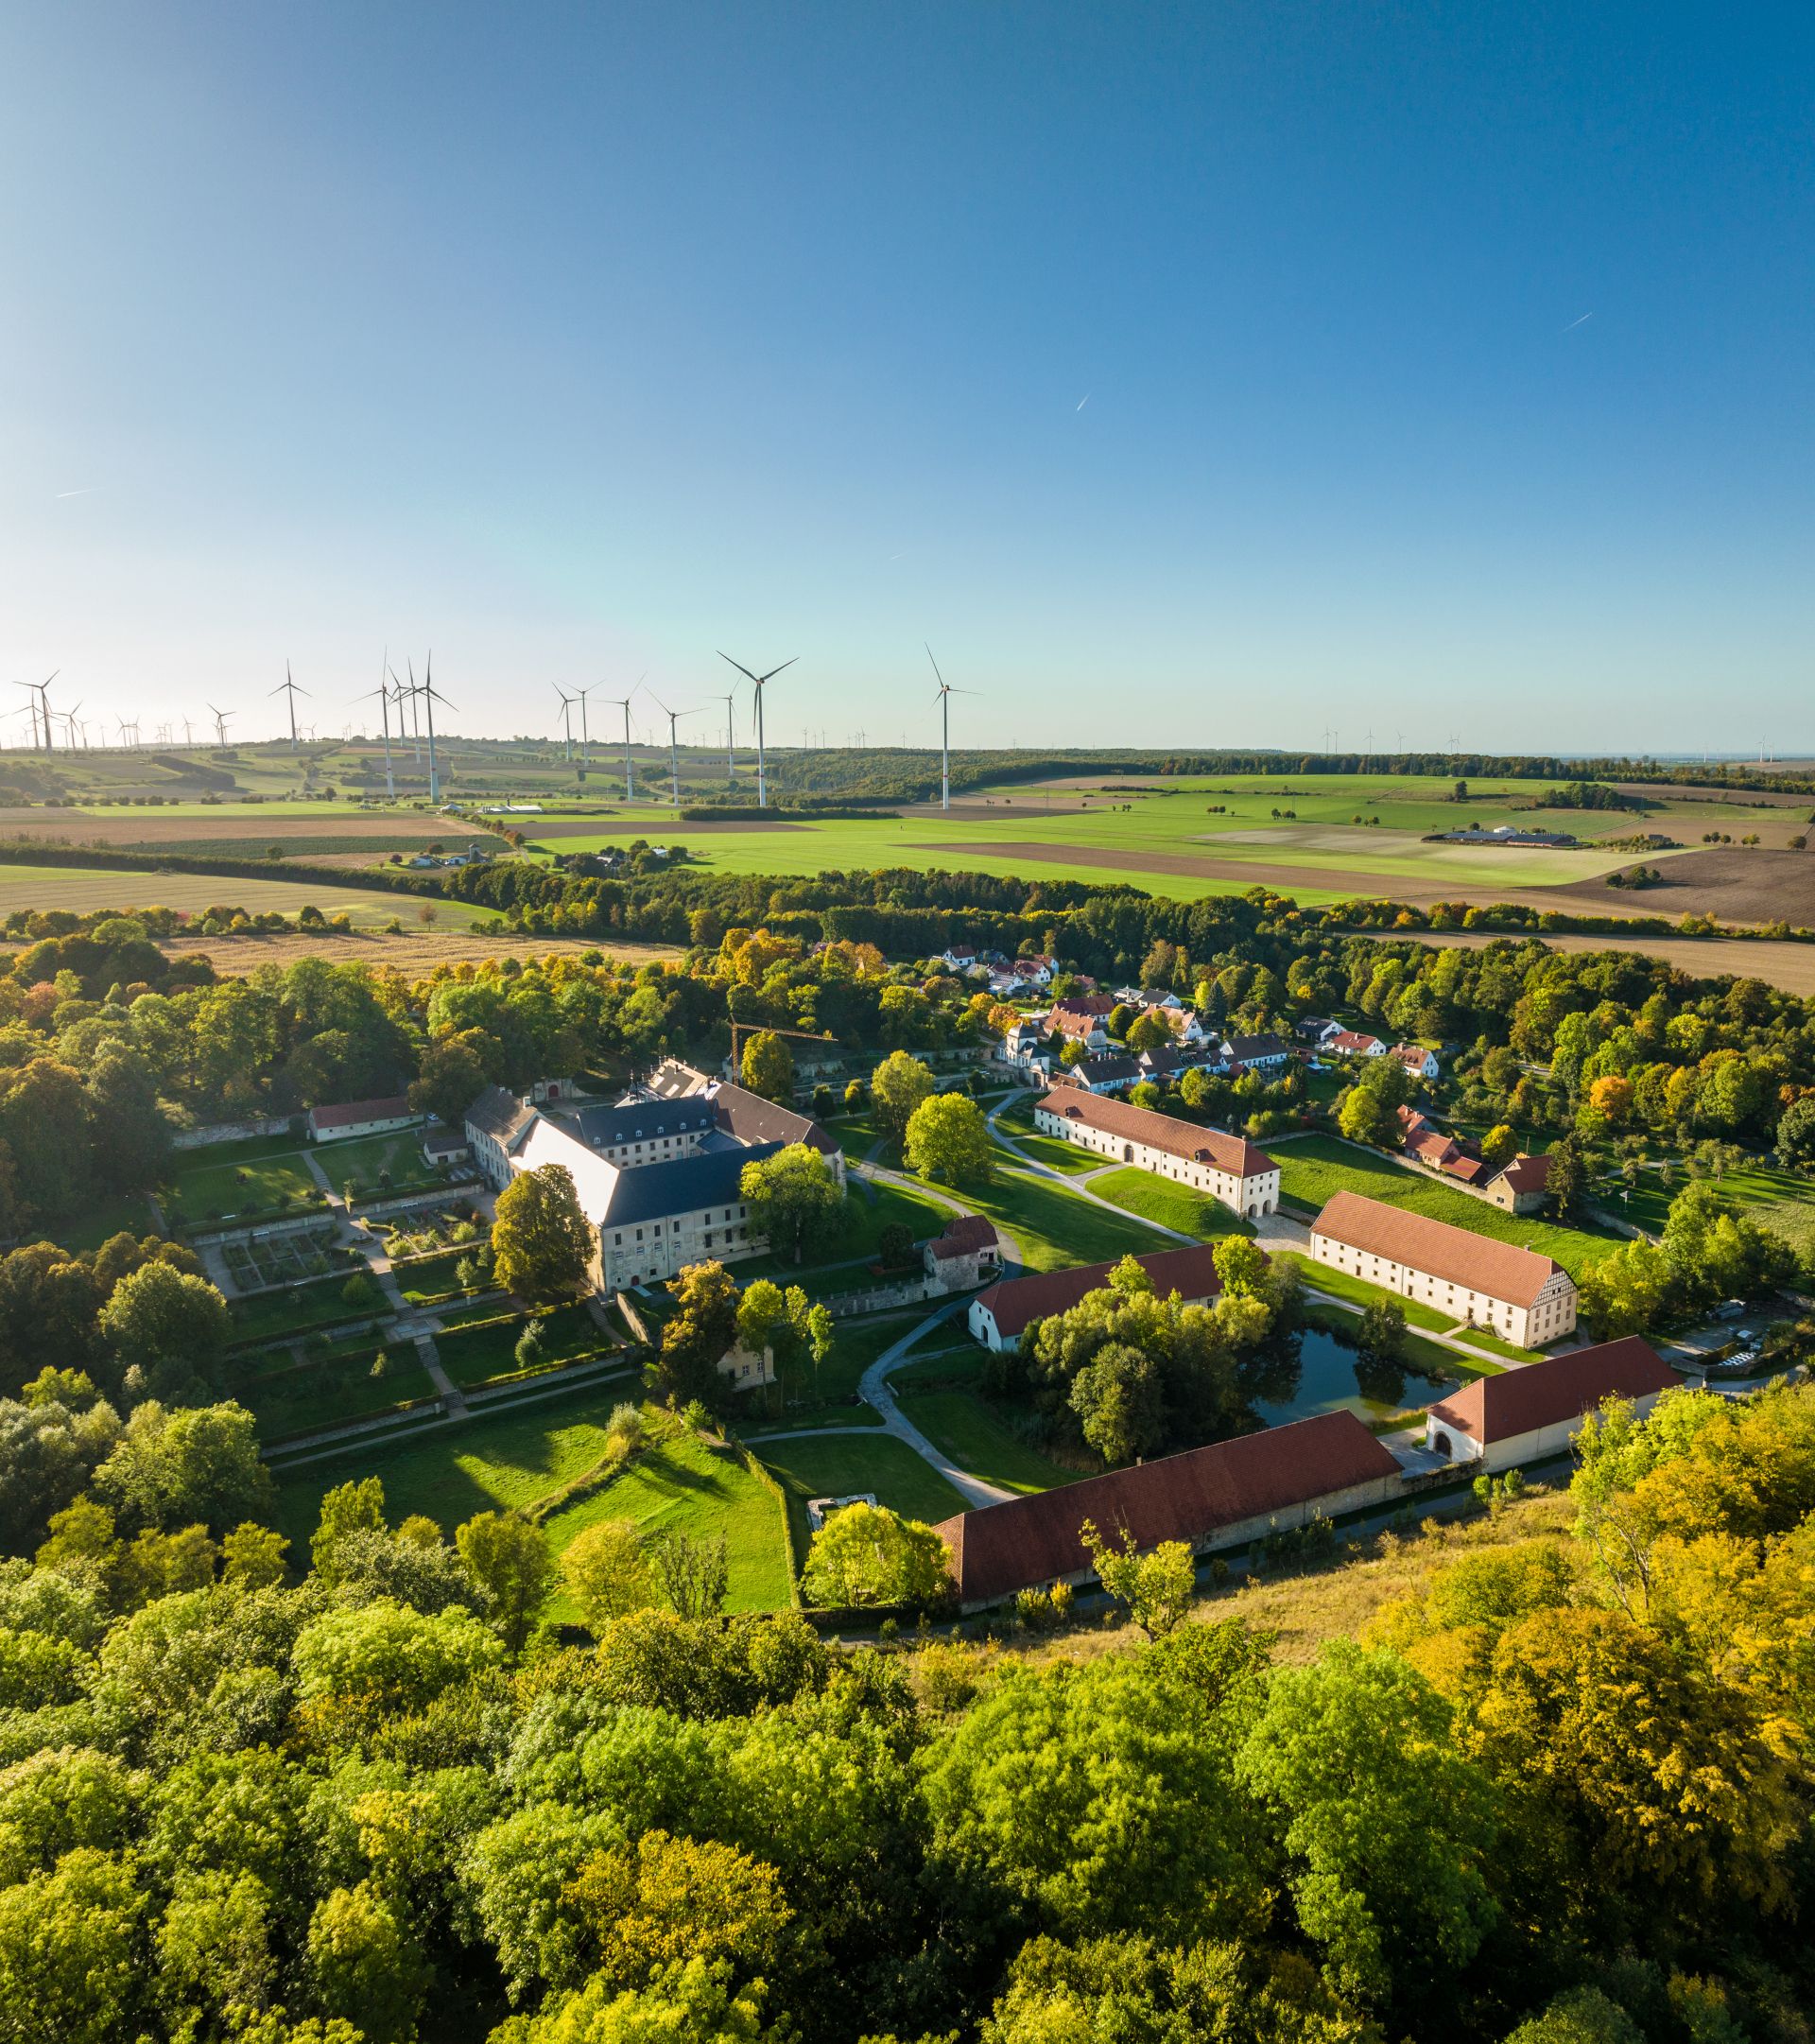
[{"x": 361, "y": 1118}]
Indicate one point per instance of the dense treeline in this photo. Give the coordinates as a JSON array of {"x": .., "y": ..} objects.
[{"x": 1558, "y": 1789}]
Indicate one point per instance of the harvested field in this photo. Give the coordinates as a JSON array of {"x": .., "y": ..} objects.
[
  {"x": 659, "y": 825},
  {"x": 1256, "y": 872},
  {"x": 1791, "y": 966},
  {"x": 1737, "y": 883},
  {"x": 86, "y": 891},
  {"x": 415, "y": 952},
  {"x": 230, "y": 829}
]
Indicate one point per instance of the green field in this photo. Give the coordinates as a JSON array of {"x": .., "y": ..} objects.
[
  {"x": 268, "y": 1316},
  {"x": 1172, "y": 1205},
  {"x": 204, "y": 1193},
  {"x": 980, "y": 1441},
  {"x": 1331, "y": 833},
  {"x": 496, "y": 1464},
  {"x": 86, "y": 889},
  {"x": 841, "y": 1463},
  {"x": 869, "y": 1206},
  {"x": 1339, "y": 1285},
  {"x": 486, "y": 1348},
  {"x": 375, "y": 1164},
  {"x": 293, "y": 1401},
  {"x": 101, "y": 1219},
  {"x": 1052, "y": 1227},
  {"x": 1312, "y": 1169},
  {"x": 691, "y": 1487}
]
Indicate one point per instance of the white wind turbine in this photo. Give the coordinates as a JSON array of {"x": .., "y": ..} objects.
[
  {"x": 944, "y": 699},
  {"x": 757, "y": 680}
]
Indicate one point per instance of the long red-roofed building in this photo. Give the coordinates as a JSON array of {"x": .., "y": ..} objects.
[
  {"x": 1000, "y": 1316},
  {"x": 1229, "y": 1167},
  {"x": 1524, "y": 1414},
  {"x": 1221, "y": 1495}
]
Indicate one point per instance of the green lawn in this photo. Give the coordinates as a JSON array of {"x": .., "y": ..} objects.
[
  {"x": 1172, "y": 1205},
  {"x": 979, "y": 1439},
  {"x": 496, "y": 1464},
  {"x": 1066, "y": 1157},
  {"x": 958, "y": 1366},
  {"x": 1758, "y": 1187},
  {"x": 1339, "y": 1285},
  {"x": 1485, "y": 1337},
  {"x": 292, "y": 1401},
  {"x": 1311, "y": 1169},
  {"x": 843, "y": 1267},
  {"x": 375, "y": 1164},
  {"x": 268, "y": 1316},
  {"x": 691, "y": 1487},
  {"x": 205, "y": 1194},
  {"x": 488, "y": 1348},
  {"x": 841, "y": 1463},
  {"x": 428, "y": 1278},
  {"x": 102, "y": 1218},
  {"x": 1053, "y": 1228}
]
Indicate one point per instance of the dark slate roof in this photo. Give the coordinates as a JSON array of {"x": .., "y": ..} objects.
[
  {"x": 498, "y": 1114},
  {"x": 1245, "y": 1049},
  {"x": 682, "y": 1186},
  {"x": 1005, "y": 1547},
  {"x": 748, "y": 1118},
  {"x": 604, "y": 1128}
]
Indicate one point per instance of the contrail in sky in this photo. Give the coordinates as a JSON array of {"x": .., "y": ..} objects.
[
  {"x": 1082, "y": 402},
  {"x": 1574, "y": 324},
  {"x": 89, "y": 491}
]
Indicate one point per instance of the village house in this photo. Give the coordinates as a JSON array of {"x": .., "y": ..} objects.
[
  {"x": 442, "y": 1146},
  {"x": 1519, "y": 1187},
  {"x": 960, "y": 958},
  {"x": 1228, "y": 1168},
  {"x": 1516, "y": 1187},
  {"x": 1265, "y": 1052},
  {"x": 967, "y": 1253},
  {"x": 1109, "y": 1071},
  {"x": 1317, "y": 1030},
  {"x": 1420, "y": 1062},
  {"x": 1523, "y": 1415},
  {"x": 361, "y": 1118},
  {"x": 1082, "y": 1018},
  {"x": 1223, "y": 1496},
  {"x": 1354, "y": 1044},
  {"x": 1000, "y": 1316},
  {"x": 1525, "y": 1298}
]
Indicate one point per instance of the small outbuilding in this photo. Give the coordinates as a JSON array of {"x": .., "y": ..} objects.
[{"x": 1524, "y": 1414}]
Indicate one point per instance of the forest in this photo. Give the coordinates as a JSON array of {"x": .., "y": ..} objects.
[{"x": 1556, "y": 1792}]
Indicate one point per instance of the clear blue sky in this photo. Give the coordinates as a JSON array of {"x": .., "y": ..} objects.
[{"x": 1444, "y": 369}]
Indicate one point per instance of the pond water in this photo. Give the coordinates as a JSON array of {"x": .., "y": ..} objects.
[{"x": 1315, "y": 1371}]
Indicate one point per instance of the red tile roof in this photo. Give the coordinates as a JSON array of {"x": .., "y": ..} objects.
[
  {"x": 349, "y": 1113},
  {"x": 1501, "y": 1270},
  {"x": 1350, "y": 1040},
  {"x": 1005, "y": 1547},
  {"x": 1085, "y": 1004},
  {"x": 1012, "y": 1303},
  {"x": 1528, "y": 1174},
  {"x": 1560, "y": 1388},
  {"x": 967, "y": 1234},
  {"x": 1160, "y": 1131}
]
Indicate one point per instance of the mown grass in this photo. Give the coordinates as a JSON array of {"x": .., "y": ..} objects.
[
  {"x": 296, "y": 1401},
  {"x": 688, "y": 1485},
  {"x": 1313, "y": 1169},
  {"x": 373, "y": 1163},
  {"x": 1340, "y": 1285},
  {"x": 1053, "y": 1228},
  {"x": 257, "y": 1186},
  {"x": 268, "y": 1316},
  {"x": 980, "y": 1441},
  {"x": 841, "y": 1463},
  {"x": 1172, "y": 1205},
  {"x": 488, "y": 1348}
]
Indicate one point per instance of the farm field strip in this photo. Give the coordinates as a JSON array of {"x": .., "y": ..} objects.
[{"x": 85, "y": 890}]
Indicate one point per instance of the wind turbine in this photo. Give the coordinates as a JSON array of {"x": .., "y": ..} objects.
[
  {"x": 287, "y": 686},
  {"x": 40, "y": 691},
  {"x": 68, "y": 718},
  {"x": 187, "y": 738},
  {"x": 623, "y": 702},
  {"x": 585, "y": 736},
  {"x": 730, "y": 739},
  {"x": 673, "y": 717},
  {"x": 944, "y": 699},
  {"x": 567, "y": 702},
  {"x": 757, "y": 680},
  {"x": 221, "y": 717},
  {"x": 383, "y": 693},
  {"x": 430, "y": 696}
]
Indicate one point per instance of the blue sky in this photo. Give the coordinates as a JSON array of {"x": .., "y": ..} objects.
[{"x": 1444, "y": 369}]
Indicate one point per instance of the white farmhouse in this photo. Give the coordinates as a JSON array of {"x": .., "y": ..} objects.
[{"x": 1228, "y": 1168}]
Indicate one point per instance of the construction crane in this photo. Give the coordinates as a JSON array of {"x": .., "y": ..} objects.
[{"x": 757, "y": 1029}]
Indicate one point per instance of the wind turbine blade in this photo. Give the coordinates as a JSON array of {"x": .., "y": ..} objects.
[
  {"x": 929, "y": 654},
  {"x": 775, "y": 671},
  {"x": 743, "y": 670}
]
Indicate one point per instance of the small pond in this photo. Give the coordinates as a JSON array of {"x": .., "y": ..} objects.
[{"x": 1315, "y": 1371}]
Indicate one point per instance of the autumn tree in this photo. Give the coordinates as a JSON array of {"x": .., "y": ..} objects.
[
  {"x": 897, "y": 1086},
  {"x": 795, "y": 1200},
  {"x": 767, "y": 1068},
  {"x": 605, "y": 1572},
  {"x": 509, "y": 1560},
  {"x": 867, "y": 1554},
  {"x": 543, "y": 1245},
  {"x": 948, "y": 1142},
  {"x": 1154, "y": 1587}
]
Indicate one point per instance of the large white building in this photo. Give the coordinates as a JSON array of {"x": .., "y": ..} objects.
[
  {"x": 1229, "y": 1167},
  {"x": 1525, "y": 1298},
  {"x": 1523, "y": 1416},
  {"x": 657, "y": 1177}
]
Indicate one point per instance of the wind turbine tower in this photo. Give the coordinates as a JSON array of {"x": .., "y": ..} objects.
[
  {"x": 286, "y": 687},
  {"x": 730, "y": 739},
  {"x": 757, "y": 680},
  {"x": 674, "y": 750},
  {"x": 944, "y": 699},
  {"x": 221, "y": 717},
  {"x": 567, "y": 702},
  {"x": 623, "y": 702}
]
